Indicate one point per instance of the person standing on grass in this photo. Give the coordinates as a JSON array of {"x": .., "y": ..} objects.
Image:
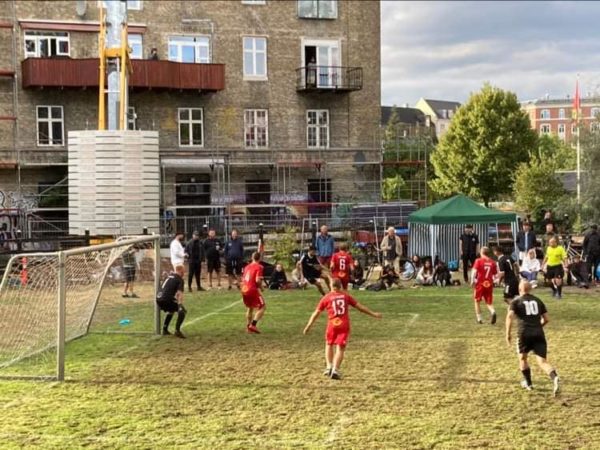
[
  {"x": 526, "y": 240},
  {"x": 170, "y": 300},
  {"x": 234, "y": 258},
  {"x": 469, "y": 249},
  {"x": 342, "y": 265},
  {"x": 325, "y": 244},
  {"x": 484, "y": 271},
  {"x": 554, "y": 266},
  {"x": 177, "y": 251},
  {"x": 212, "y": 252},
  {"x": 506, "y": 275},
  {"x": 591, "y": 251},
  {"x": 531, "y": 316},
  {"x": 195, "y": 255},
  {"x": 252, "y": 278},
  {"x": 391, "y": 246},
  {"x": 337, "y": 304},
  {"x": 129, "y": 265}
]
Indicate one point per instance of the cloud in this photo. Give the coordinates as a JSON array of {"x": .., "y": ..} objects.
[{"x": 447, "y": 50}]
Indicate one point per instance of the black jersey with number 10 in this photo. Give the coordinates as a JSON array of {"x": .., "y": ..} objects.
[{"x": 529, "y": 311}]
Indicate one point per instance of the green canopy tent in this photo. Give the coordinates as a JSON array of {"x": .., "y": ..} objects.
[{"x": 435, "y": 230}]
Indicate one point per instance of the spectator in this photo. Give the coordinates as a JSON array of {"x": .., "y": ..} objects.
[
  {"x": 153, "y": 54},
  {"x": 129, "y": 266},
  {"x": 311, "y": 73},
  {"x": 234, "y": 258},
  {"x": 195, "y": 255},
  {"x": 530, "y": 267},
  {"x": 547, "y": 218},
  {"x": 212, "y": 252},
  {"x": 591, "y": 251},
  {"x": 425, "y": 274},
  {"x": 411, "y": 270},
  {"x": 324, "y": 244},
  {"x": 389, "y": 277},
  {"x": 526, "y": 240},
  {"x": 358, "y": 275},
  {"x": 469, "y": 249},
  {"x": 441, "y": 274},
  {"x": 278, "y": 279},
  {"x": 177, "y": 251},
  {"x": 578, "y": 271},
  {"x": 391, "y": 246},
  {"x": 549, "y": 234}
]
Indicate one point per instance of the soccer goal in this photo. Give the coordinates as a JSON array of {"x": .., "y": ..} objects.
[{"x": 49, "y": 299}]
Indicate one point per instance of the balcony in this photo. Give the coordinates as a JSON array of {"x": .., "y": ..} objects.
[
  {"x": 147, "y": 74},
  {"x": 328, "y": 79}
]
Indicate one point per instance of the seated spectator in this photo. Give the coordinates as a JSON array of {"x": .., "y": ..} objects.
[
  {"x": 412, "y": 269},
  {"x": 425, "y": 274},
  {"x": 578, "y": 273},
  {"x": 530, "y": 267},
  {"x": 278, "y": 279},
  {"x": 389, "y": 276},
  {"x": 358, "y": 276},
  {"x": 441, "y": 274}
]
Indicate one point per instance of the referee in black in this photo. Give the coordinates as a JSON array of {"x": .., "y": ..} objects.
[
  {"x": 469, "y": 250},
  {"x": 170, "y": 300},
  {"x": 531, "y": 316}
]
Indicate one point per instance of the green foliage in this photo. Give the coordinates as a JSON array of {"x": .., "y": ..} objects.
[
  {"x": 590, "y": 166},
  {"x": 537, "y": 186},
  {"x": 393, "y": 187},
  {"x": 284, "y": 246},
  {"x": 551, "y": 148},
  {"x": 487, "y": 140}
]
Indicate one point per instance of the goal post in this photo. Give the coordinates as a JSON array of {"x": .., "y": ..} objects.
[{"x": 49, "y": 299}]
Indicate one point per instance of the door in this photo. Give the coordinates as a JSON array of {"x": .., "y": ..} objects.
[
  {"x": 319, "y": 192},
  {"x": 326, "y": 56}
]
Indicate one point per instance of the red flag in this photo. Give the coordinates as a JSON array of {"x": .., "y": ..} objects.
[{"x": 576, "y": 101}]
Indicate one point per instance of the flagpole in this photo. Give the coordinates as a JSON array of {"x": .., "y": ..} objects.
[{"x": 577, "y": 105}]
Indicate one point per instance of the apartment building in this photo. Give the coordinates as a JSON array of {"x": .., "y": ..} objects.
[
  {"x": 256, "y": 101},
  {"x": 555, "y": 116},
  {"x": 440, "y": 112}
]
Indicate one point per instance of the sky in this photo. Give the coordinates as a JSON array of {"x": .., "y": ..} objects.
[{"x": 446, "y": 50}]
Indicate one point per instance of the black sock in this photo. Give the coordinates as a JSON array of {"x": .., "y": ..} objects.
[
  {"x": 553, "y": 286},
  {"x": 553, "y": 375},
  {"x": 254, "y": 322},
  {"x": 168, "y": 318},
  {"x": 527, "y": 375},
  {"x": 180, "y": 318},
  {"x": 559, "y": 289}
]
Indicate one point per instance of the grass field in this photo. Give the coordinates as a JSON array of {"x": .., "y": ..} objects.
[{"x": 426, "y": 376}]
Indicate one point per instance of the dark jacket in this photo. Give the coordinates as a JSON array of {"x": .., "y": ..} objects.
[
  {"x": 524, "y": 244},
  {"x": 212, "y": 249},
  {"x": 195, "y": 251},
  {"x": 591, "y": 243},
  {"x": 234, "y": 249}
]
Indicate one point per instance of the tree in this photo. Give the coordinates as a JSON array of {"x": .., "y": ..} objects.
[
  {"x": 393, "y": 187},
  {"x": 487, "y": 140},
  {"x": 537, "y": 186},
  {"x": 590, "y": 167}
]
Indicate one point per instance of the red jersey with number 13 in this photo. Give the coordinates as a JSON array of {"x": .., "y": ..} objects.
[
  {"x": 341, "y": 263},
  {"x": 249, "y": 275},
  {"x": 337, "y": 305},
  {"x": 485, "y": 269}
]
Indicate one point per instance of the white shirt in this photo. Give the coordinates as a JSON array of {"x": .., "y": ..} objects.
[
  {"x": 177, "y": 253},
  {"x": 530, "y": 265}
]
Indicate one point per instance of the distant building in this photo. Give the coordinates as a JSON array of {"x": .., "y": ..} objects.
[
  {"x": 555, "y": 116},
  {"x": 411, "y": 121},
  {"x": 440, "y": 111}
]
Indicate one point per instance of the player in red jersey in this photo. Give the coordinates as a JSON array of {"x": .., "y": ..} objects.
[
  {"x": 484, "y": 271},
  {"x": 252, "y": 277},
  {"x": 342, "y": 265},
  {"x": 337, "y": 304}
]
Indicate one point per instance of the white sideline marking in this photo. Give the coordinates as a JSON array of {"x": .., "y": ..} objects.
[
  {"x": 338, "y": 426},
  {"x": 214, "y": 313}
]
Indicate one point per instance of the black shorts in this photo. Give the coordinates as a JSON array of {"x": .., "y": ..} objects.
[
  {"x": 129, "y": 273},
  {"x": 532, "y": 343},
  {"x": 169, "y": 305},
  {"x": 555, "y": 272},
  {"x": 213, "y": 265},
  {"x": 313, "y": 277},
  {"x": 233, "y": 267},
  {"x": 511, "y": 289}
]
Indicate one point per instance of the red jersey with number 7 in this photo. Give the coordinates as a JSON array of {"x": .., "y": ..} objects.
[
  {"x": 337, "y": 305},
  {"x": 485, "y": 269},
  {"x": 341, "y": 265}
]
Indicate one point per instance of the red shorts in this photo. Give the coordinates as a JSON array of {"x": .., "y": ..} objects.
[
  {"x": 485, "y": 292},
  {"x": 253, "y": 299},
  {"x": 337, "y": 335},
  {"x": 344, "y": 279}
]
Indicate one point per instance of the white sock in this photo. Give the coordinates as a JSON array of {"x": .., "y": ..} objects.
[{"x": 478, "y": 316}]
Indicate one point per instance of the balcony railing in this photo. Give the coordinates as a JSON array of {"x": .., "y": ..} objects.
[
  {"x": 328, "y": 78},
  {"x": 147, "y": 74}
]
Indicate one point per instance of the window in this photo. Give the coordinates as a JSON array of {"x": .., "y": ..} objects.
[
  {"x": 594, "y": 112},
  {"x": 561, "y": 113},
  {"x": 131, "y": 118},
  {"x": 317, "y": 9},
  {"x": 574, "y": 129},
  {"x": 50, "y": 126},
  {"x": 190, "y": 127},
  {"x": 255, "y": 57},
  {"x": 135, "y": 42},
  {"x": 134, "y": 5},
  {"x": 561, "y": 130},
  {"x": 256, "y": 128},
  {"x": 317, "y": 128},
  {"x": 254, "y": 2},
  {"x": 189, "y": 49},
  {"x": 45, "y": 44},
  {"x": 545, "y": 129},
  {"x": 545, "y": 114}
]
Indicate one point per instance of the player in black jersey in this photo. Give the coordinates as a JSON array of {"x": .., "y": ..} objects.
[
  {"x": 170, "y": 300},
  {"x": 531, "y": 316},
  {"x": 310, "y": 269},
  {"x": 506, "y": 275}
]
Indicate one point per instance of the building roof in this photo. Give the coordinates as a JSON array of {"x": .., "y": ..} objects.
[
  {"x": 410, "y": 116},
  {"x": 560, "y": 101},
  {"x": 442, "y": 105}
]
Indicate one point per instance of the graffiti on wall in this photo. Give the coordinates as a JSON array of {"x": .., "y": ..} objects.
[{"x": 16, "y": 200}]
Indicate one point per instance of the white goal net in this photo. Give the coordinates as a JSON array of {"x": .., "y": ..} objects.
[{"x": 48, "y": 299}]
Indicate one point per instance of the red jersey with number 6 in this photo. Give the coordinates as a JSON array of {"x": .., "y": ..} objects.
[
  {"x": 485, "y": 270},
  {"x": 337, "y": 305},
  {"x": 341, "y": 265}
]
